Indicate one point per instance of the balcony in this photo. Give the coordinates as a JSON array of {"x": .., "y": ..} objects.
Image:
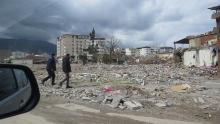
[{"x": 216, "y": 15}]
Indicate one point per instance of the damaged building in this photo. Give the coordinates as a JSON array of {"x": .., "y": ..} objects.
[
  {"x": 216, "y": 16},
  {"x": 202, "y": 51}
]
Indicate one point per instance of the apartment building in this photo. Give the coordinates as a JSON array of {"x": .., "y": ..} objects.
[
  {"x": 76, "y": 45},
  {"x": 166, "y": 50},
  {"x": 144, "y": 51},
  {"x": 130, "y": 51},
  {"x": 100, "y": 42},
  {"x": 72, "y": 44},
  {"x": 141, "y": 51}
]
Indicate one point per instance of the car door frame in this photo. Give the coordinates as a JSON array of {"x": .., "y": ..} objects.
[{"x": 35, "y": 94}]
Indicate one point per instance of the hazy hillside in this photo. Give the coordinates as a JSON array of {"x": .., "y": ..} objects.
[{"x": 32, "y": 46}]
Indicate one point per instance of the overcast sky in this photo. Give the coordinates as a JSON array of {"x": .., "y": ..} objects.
[{"x": 135, "y": 22}]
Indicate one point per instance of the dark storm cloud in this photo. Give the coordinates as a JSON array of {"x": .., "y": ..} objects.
[{"x": 134, "y": 22}]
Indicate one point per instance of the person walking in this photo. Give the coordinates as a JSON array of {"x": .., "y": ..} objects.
[
  {"x": 66, "y": 69},
  {"x": 51, "y": 68}
]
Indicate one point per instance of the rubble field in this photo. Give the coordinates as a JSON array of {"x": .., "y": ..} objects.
[{"x": 154, "y": 88}]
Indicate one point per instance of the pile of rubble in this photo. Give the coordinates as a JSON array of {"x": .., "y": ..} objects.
[
  {"x": 113, "y": 97},
  {"x": 135, "y": 86}
]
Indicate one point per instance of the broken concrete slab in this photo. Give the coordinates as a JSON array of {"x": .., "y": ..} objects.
[
  {"x": 195, "y": 100},
  {"x": 108, "y": 99},
  {"x": 204, "y": 106},
  {"x": 201, "y": 100},
  {"x": 116, "y": 101},
  {"x": 133, "y": 105},
  {"x": 161, "y": 104},
  {"x": 86, "y": 98},
  {"x": 137, "y": 103}
]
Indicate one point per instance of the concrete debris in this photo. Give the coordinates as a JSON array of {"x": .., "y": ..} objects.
[
  {"x": 201, "y": 100},
  {"x": 181, "y": 88},
  {"x": 117, "y": 100},
  {"x": 152, "y": 100},
  {"x": 161, "y": 104},
  {"x": 118, "y": 75},
  {"x": 195, "y": 100},
  {"x": 86, "y": 98},
  {"x": 122, "y": 86},
  {"x": 133, "y": 105},
  {"x": 204, "y": 106},
  {"x": 122, "y": 107},
  {"x": 138, "y": 104},
  {"x": 108, "y": 99},
  {"x": 202, "y": 88}
]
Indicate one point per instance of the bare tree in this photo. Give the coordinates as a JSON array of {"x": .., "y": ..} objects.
[{"x": 111, "y": 45}]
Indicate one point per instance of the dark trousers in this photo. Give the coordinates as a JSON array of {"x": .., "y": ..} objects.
[
  {"x": 51, "y": 74},
  {"x": 67, "y": 79}
]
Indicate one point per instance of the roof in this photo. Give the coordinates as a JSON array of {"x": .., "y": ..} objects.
[
  {"x": 203, "y": 35},
  {"x": 143, "y": 47},
  {"x": 215, "y": 8},
  {"x": 182, "y": 41},
  {"x": 99, "y": 39},
  {"x": 166, "y": 47},
  {"x": 75, "y": 35}
]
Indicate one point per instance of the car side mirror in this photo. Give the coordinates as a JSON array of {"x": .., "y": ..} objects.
[{"x": 19, "y": 92}]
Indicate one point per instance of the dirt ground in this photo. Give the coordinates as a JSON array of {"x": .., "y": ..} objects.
[
  {"x": 56, "y": 110},
  {"x": 61, "y": 106}
]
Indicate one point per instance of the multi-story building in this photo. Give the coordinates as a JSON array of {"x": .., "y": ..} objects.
[
  {"x": 100, "y": 42},
  {"x": 18, "y": 55},
  {"x": 144, "y": 51},
  {"x": 76, "y": 45},
  {"x": 154, "y": 50},
  {"x": 203, "y": 40},
  {"x": 166, "y": 50},
  {"x": 72, "y": 44},
  {"x": 141, "y": 52},
  {"x": 130, "y": 51}
]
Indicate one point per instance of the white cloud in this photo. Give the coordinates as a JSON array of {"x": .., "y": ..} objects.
[{"x": 134, "y": 22}]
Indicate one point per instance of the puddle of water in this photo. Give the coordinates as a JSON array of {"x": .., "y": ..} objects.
[
  {"x": 150, "y": 119},
  {"x": 75, "y": 107}
]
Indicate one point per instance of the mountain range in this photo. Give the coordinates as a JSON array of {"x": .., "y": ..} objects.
[{"x": 25, "y": 45}]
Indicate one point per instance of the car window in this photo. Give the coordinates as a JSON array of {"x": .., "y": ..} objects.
[
  {"x": 7, "y": 83},
  {"x": 21, "y": 78}
]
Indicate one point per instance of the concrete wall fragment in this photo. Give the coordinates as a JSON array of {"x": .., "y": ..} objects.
[{"x": 205, "y": 57}]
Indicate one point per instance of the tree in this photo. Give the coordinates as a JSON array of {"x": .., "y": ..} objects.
[
  {"x": 83, "y": 58},
  {"x": 93, "y": 50},
  {"x": 118, "y": 55},
  {"x": 111, "y": 45},
  {"x": 106, "y": 59}
]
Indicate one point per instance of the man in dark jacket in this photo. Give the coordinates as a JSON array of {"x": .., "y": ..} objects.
[
  {"x": 66, "y": 69},
  {"x": 51, "y": 68}
]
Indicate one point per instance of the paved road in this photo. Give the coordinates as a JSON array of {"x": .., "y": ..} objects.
[
  {"x": 79, "y": 114},
  {"x": 215, "y": 84}
]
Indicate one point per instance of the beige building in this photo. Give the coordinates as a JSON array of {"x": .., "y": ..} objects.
[
  {"x": 100, "y": 42},
  {"x": 76, "y": 45},
  {"x": 72, "y": 44}
]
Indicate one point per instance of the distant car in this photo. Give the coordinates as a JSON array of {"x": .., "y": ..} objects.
[{"x": 19, "y": 91}]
